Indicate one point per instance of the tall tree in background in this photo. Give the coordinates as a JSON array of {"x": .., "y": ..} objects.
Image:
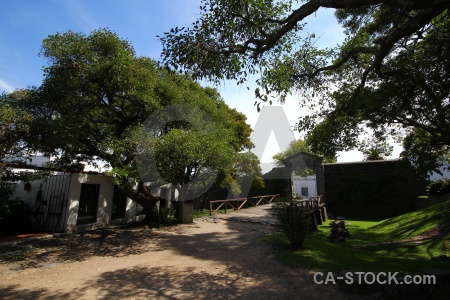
[
  {"x": 248, "y": 174},
  {"x": 373, "y": 149},
  {"x": 95, "y": 99},
  {"x": 294, "y": 147},
  {"x": 391, "y": 74}
]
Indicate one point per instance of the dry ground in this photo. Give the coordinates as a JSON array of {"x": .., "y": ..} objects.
[{"x": 203, "y": 260}]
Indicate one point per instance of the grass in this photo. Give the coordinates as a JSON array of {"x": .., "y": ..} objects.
[
  {"x": 414, "y": 223},
  {"x": 361, "y": 253}
]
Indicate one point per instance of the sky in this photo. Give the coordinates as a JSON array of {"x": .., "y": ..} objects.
[{"x": 25, "y": 23}]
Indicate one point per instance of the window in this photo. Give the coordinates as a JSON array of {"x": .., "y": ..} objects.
[
  {"x": 87, "y": 212},
  {"x": 304, "y": 191}
]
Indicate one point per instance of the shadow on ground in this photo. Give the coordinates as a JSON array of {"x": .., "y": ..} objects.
[
  {"x": 170, "y": 283},
  {"x": 14, "y": 292},
  {"x": 79, "y": 247},
  {"x": 238, "y": 265}
]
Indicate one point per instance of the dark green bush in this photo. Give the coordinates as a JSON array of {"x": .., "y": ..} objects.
[
  {"x": 293, "y": 220},
  {"x": 439, "y": 187},
  {"x": 15, "y": 215}
]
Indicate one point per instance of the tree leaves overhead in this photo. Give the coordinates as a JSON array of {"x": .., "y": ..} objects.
[{"x": 390, "y": 73}]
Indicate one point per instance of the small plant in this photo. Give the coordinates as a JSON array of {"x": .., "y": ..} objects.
[
  {"x": 439, "y": 187},
  {"x": 166, "y": 215},
  {"x": 294, "y": 220}
]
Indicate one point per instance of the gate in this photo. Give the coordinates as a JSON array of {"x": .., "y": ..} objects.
[{"x": 51, "y": 203}]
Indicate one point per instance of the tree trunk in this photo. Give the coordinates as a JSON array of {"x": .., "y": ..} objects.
[{"x": 142, "y": 196}]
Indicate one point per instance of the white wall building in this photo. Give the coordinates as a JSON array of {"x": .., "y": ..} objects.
[
  {"x": 305, "y": 186},
  {"x": 76, "y": 202}
]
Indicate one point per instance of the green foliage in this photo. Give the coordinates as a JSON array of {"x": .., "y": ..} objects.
[
  {"x": 24, "y": 176},
  {"x": 7, "y": 190},
  {"x": 294, "y": 147},
  {"x": 248, "y": 174},
  {"x": 15, "y": 215},
  {"x": 93, "y": 104},
  {"x": 294, "y": 220},
  {"x": 389, "y": 74},
  {"x": 14, "y": 126},
  {"x": 374, "y": 149},
  {"x": 421, "y": 148},
  {"x": 166, "y": 215},
  {"x": 439, "y": 187}
]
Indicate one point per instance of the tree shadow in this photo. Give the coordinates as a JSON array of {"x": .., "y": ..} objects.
[
  {"x": 146, "y": 282},
  {"x": 164, "y": 283},
  {"x": 82, "y": 246},
  {"x": 241, "y": 266},
  {"x": 191, "y": 282},
  {"x": 14, "y": 292}
]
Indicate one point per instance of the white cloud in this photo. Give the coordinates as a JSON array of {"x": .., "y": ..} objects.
[{"x": 6, "y": 86}]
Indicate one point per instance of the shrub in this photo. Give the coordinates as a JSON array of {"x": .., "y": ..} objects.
[
  {"x": 15, "y": 217},
  {"x": 439, "y": 187},
  {"x": 293, "y": 220},
  {"x": 166, "y": 215}
]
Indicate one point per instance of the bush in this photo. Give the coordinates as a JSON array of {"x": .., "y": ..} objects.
[
  {"x": 15, "y": 215},
  {"x": 166, "y": 215},
  {"x": 293, "y": 220},
  {"x": 439, "y": 187}
]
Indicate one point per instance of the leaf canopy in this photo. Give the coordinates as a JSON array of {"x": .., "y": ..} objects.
[{"x": 391, "y": 73}]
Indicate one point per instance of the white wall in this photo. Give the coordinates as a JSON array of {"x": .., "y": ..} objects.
[
  {"x": 309, "y": 182},
  {"x": 75, "y": 180},
  {"x": 104, "y": 200},
  {"x": 29, "y": 197}
]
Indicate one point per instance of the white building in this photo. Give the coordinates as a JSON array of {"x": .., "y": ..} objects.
[
  {"x": 305, "y": 186},
  {"x": 76, "y": 202}
]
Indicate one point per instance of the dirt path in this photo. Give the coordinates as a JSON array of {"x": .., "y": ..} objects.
[{"x": 224, "y": 260}]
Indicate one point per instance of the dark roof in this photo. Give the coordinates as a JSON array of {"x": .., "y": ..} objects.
[
  {"x": 275, "y": 173},
  {"x": 302, "y": 154}
]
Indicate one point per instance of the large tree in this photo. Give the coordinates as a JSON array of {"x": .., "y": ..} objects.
[
  {"x": 99, "y": 101},
  {"x": 14, "y": 128},
  {"x": 391, "y": 73}
]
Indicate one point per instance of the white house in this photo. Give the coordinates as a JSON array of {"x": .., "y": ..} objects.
[
  {"x": 76, "y": 202},
  {"x": 305, "y": 186}
]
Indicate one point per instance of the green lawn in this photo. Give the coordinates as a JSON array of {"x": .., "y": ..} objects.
[{"x": 356, "y": 254}]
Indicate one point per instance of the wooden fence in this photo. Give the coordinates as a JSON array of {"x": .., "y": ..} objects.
[{"x": 238, "y": 203}]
